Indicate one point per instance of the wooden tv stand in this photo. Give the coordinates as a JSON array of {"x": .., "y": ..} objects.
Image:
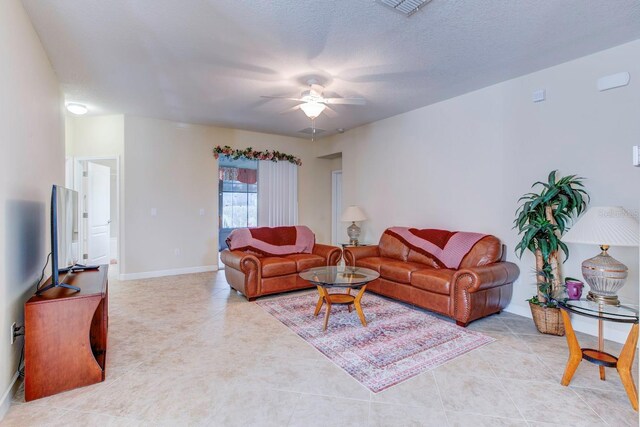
[{"x": 66, "y": 335}]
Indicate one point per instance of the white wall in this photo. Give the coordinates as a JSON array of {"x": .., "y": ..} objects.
[
  {"x": 94, "y": 136},
  {"x": 170, "y": 167},
  {"x": 31, "y": 134},
  {"x": 463, "y": 163}
]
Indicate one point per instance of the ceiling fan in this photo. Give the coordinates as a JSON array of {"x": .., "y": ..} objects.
[{"x": 313, "y": 103}]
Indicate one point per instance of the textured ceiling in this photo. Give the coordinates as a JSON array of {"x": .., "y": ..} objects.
[{"x": 209, "y": 61}]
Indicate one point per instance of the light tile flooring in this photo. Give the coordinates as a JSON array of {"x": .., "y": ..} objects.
[{"x": 186, "y": 350}]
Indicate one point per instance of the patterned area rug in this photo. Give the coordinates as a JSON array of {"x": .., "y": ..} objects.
[{"x": 398, "y": 343}]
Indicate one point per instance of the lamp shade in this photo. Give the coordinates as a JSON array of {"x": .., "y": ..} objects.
[
  {"x": 612, "y": 226},
  {"x": 312, "y": 109},
  {"x": 353, "y": 214}
]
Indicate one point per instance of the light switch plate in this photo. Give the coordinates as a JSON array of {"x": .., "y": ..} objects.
[{"x": 636, "y": 155}]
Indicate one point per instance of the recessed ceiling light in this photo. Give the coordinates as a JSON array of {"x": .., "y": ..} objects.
[{"x": 77, "y": 109}]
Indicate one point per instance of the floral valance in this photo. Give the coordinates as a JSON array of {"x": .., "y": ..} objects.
[{"x": 251, "y": 154}]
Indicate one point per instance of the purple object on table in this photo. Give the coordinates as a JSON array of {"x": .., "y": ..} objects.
[{"x": 574, "y": 289}]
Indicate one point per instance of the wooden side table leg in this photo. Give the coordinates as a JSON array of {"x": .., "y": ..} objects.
[
  {"x": 358, "y": 307},
  {"x": 575, "y": 352},
  {"x": 320, "y": 301},
  {"x": 601, "y": 346},
  {"x": 625, "y": 362}
]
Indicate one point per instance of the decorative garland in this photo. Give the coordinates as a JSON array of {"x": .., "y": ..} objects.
[{"x": 251, "y": 154}]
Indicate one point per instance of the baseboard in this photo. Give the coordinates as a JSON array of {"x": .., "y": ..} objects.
[
  {"x": 172, "y": 272},
  {"x": 614, "y": 332},
  {"x": 5, "y": 403}
]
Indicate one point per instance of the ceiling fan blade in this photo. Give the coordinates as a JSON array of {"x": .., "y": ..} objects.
[
  {"x": 283, "y": 97},
  {"x": 330, "y": 112},
  {"x": 297, "y": 107},
  {"x": 317, "y": 88},
  {"x": 345, "y": 101}
]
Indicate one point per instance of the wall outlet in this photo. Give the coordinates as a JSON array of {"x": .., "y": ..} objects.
[
  {"x": 177, "y": 252},
  {"x": 13, "y": 332},
  {"x": 201, "y": 212}
]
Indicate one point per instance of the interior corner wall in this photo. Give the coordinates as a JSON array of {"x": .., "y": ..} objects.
[
  {"x": 31, "y": 133},
  {"x": 462, "y": 164},
  {"x": 170, "y": 168}
]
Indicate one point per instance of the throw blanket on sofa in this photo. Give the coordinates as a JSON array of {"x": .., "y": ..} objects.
[
  {"x": 272, "y": 241},
  {"x": 447, "y": 248}
]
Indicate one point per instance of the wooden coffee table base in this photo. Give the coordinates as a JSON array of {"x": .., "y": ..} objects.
[
  {"x": 329, "y": 299},
  {"x": 622, "y": 363}
]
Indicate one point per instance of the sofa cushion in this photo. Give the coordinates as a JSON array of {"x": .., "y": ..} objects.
[
  {"x": 276, "y": 266},
  {"x": 433, "y": 280},
  {"x": 391, "y": 247},
  {"x": 399, "y": 271},
  {"x": 373, "y": 262},
  {"x": 304, "y": 261}
]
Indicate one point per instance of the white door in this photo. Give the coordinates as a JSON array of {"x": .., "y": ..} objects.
[
  {"x": 336, "y": 207},
  {"x": 98, "y": 213}
]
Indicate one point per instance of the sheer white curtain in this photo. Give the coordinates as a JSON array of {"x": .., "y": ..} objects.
[{"x": 277, "y": 194}]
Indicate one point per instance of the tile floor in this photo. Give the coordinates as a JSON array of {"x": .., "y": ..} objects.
[{"x": 187, "y": 350}]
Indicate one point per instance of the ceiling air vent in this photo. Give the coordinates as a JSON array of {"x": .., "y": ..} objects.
[
  {"x": 312, "y": 131},
  {"x": 406, "y": 7}
]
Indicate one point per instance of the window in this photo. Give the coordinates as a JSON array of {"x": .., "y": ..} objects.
[{"x": 238, "y": 188}]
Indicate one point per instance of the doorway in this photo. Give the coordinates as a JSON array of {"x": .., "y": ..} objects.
[{"x": 97, "y": 182}]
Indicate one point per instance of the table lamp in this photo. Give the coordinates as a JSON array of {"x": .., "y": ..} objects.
[
  {"x": 604, "y": 226},
  {"x": 353, "y": 214}
]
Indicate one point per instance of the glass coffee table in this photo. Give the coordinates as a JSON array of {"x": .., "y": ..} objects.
[
  {"x": 602, "y": 313},
  {"x": 343, "y": 277}
]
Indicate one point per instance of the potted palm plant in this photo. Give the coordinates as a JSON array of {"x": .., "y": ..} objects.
[{"x": 541, "y": 220}]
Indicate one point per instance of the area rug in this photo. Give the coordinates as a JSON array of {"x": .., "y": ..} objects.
[{"x": 399, "y": 342}]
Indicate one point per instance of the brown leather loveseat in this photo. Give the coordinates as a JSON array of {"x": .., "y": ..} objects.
[
  {"x": 269, "y": 259},
  {"x": 481, "y": 285}
]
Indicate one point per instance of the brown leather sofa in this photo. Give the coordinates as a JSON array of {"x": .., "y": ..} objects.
[
  {"x": 255, "y": 275},
  {"x": 482, "y": 285}
]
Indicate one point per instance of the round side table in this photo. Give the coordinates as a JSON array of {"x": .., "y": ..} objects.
[{"x": 622, "y": 363}]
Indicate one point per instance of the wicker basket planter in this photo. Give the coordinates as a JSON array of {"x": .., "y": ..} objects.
[{"x": 548, "y": 320}]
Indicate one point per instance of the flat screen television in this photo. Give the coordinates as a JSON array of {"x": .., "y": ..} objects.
[{"x": 64, "y": 235}]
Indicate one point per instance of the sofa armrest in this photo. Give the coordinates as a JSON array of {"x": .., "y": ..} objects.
[
  {"x": 331, "y": 254},
  {"x": 243, "y": 272},
  {"x": 480, "y": 291},
  {"x": 240, "y": 261},
  {"x": 354, "y": 253},
  {"x": 485, "y": 277}
]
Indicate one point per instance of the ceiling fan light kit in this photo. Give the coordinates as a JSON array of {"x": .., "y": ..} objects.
[
  {"x": 313, "y": 103},
  {"x": 312, "y": 109}
]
